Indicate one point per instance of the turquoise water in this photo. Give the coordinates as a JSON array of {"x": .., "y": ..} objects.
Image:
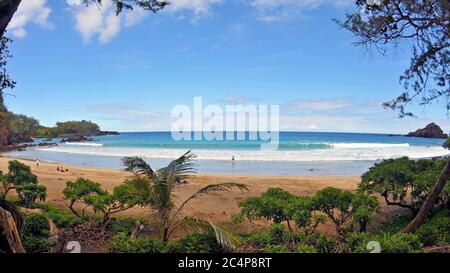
[
  {"x": 298, "y": 153},
  {"x": 288, "y": 141}
]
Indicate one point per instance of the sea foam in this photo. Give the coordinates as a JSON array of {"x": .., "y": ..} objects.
[{"x": 337, "y": 152}]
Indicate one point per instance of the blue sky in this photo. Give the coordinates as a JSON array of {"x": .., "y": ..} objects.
[{"x": 127, "y": 72}]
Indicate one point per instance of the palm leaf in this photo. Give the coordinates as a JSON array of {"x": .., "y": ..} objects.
[
  {"x": 138, "y": 166},
  {"x": 178, "y": 169},
  {"x": 225, "y": 239}
]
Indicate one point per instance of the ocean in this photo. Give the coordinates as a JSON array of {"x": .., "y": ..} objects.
[{"x": 298, "y": 153}]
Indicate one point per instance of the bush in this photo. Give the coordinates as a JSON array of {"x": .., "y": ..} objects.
[
  {"x": 404, "y": 182},
  {"x": 36, "y": 233},
  {"x": 195, "y": 243},
  {"x": 122, "y": 243},
  {"x": 276, "y": 249},
  {"x": 59, "y": 217},
  {"x": 436, "y": 230},
  {"x": 397, "y": 224},
  {"x": 275, "y": 235},
  {"x": 398, "y": 243},
  {"x": 305, "y": 249},
  {"x": 117, "y": 225},
  {"x": 323, "y": 243}
]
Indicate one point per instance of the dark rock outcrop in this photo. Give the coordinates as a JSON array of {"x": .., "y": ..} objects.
[
  {"x": 77, "y": 139},
  {"x": 432, "y": 130},
  {"x": 108, "y": 133}
]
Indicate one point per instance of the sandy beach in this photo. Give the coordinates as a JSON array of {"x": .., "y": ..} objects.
[{"x": 216, "y": 207}]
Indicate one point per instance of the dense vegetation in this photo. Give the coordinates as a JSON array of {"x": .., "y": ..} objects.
[
  {"x": 62, "y": 129},
  {"x": 295, "y": 223}
]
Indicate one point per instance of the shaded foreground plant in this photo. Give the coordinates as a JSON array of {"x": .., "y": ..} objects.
[{"x": 159, "y": 186}]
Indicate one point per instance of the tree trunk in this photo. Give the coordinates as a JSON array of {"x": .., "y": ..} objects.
[
  {"x": 9, "y": 227},
  {"x": 7, "y": 10},
  {"x": 428, "y": 206}
]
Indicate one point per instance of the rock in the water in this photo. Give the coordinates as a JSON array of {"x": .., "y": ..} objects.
[
  {"x": 432, "y": 130},
  {"x": 77, "y": 139}
]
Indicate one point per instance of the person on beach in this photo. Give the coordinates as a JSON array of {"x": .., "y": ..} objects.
[{"x": 37, "y": 162}]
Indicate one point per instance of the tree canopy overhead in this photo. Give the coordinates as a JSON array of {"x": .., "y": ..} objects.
[{"x": 423, "y": 24}]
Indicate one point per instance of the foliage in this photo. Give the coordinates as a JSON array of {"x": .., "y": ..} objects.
[
  {"x": 82, "y": 127},
  {"x": 195, "y": 243},
  {"x": 436, "y": 231},
  {"x": 305, "y": 249},
  {"x": 62, "y": 219},
  {"x": 21, "y": 125},
  {"x": 151, "y": 5},
  {"x": 5, "y": 79},
  {"x": 21, "y": 179},
  {"x": 276, "y": 249},
  {"x": 124, "y": 197},
  {"x": 446, "y": 144},
  {"x": 158, "y": 188},
  {"x": 343, "y": 207},
  {"x": 36, "y": 233},
  {"x": 123, "y": 224},
  {"x": 340, "y": 206},
  {"x": 420, "y": 24},
  {"x": 280, "y": 206},
  {"x": 122, "y": 243},
  {"x": 404, "y": 182},
  {"x": 398, "y": 243}
]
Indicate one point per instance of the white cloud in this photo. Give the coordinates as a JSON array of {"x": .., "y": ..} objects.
[
  {"x": 30, "y": 11},
  {"x": 198, "y": 7},
  {"x": 102, "y": 22}
]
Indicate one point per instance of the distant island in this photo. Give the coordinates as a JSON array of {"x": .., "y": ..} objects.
[{"x": 432, "y": 130}]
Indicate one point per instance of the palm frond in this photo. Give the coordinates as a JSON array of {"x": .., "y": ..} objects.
[
  {"x": 225, "y": 239},
  {"x": 138, "y": 165},
  {"x": 179, "y": 168},
  {"x": 191, "y": 224}
]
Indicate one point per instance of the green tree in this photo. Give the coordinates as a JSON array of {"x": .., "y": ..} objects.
[
  {"x": 124, "y": 197},
  {"x": 405, "y": 183},
  {"x": 23, "y": 126},
  {"x": 160, "y": 186},
  {"x": 346, "y": 209},
  {"x": 24, "y": 182},
  {"x": 279, "y": 206},
  {"x": 422, "y": 25}
]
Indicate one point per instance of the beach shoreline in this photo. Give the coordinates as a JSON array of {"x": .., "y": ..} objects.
[{"x": 217, "y": 207}]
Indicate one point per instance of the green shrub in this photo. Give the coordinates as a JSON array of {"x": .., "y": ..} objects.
[
  {"x": 36, "y": 233},
  {"x": 122, "y": 224},
  {"x": 276, "y": 249},
  {"x": 323, "y": 243},
  {"x": 436, "y": 230},
  {"x": 305, "y": 249},
  {"x": 398, "y": 243},
  {"x": 405, "y": 182},
  {"x": 122, "y": 243},
  {"x": 62, "y": 219},
  {"x": 195, "y": 243},
  {"x": 397, "y": 224},
  {"x": 355, "y": 242},
  {"x": 276, "y": 234}
]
